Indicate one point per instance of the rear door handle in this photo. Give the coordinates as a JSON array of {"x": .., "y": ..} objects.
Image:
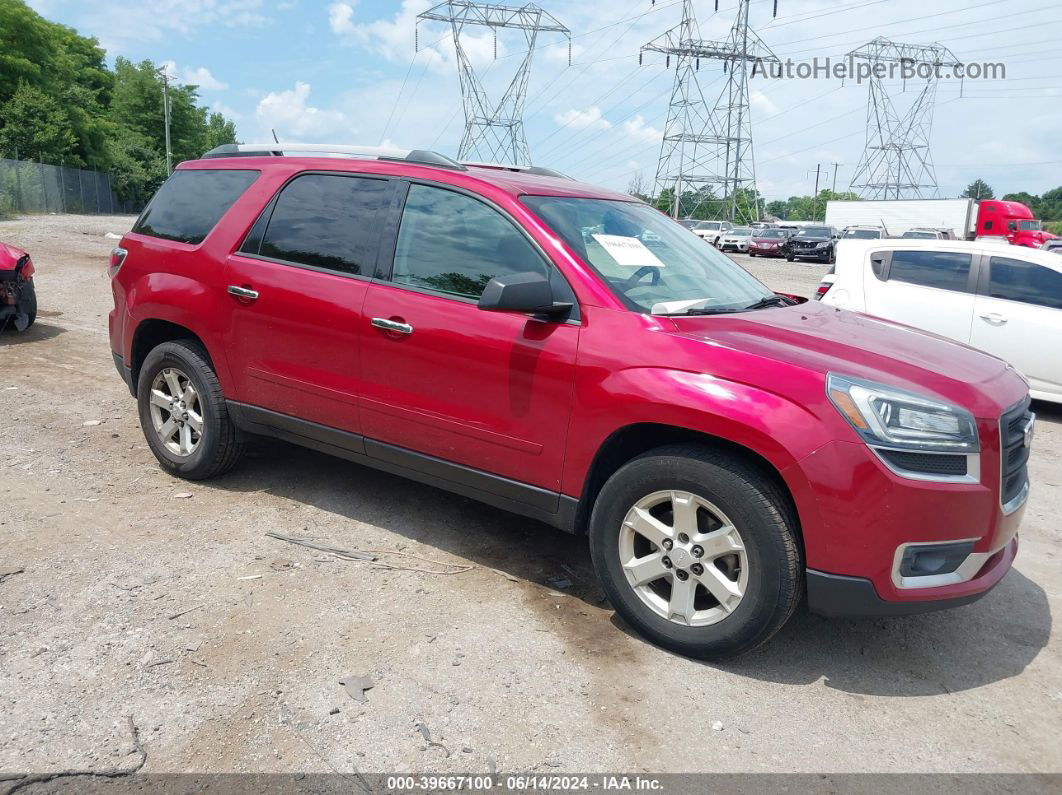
[
  {"x": 242, "y": 292},
  {"x": 994, "y": 318},
  {"x": 392, "y": 325}
]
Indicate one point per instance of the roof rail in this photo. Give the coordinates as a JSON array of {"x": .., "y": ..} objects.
[
  {"x": 419, "y": 156},
  {"x": 540, "y": 171}
]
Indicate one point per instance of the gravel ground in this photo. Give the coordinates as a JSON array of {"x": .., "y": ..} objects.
[{"x": 162, "y": 600}]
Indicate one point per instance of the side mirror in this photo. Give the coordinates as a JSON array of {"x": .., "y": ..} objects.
[{"x": 521, "y": 292}]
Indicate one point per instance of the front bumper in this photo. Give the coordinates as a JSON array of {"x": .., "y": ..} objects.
[
  {"x": 763, "y": 251},
  {"x": 835, "y": 595},
  {"x": 817, "y": 253}
]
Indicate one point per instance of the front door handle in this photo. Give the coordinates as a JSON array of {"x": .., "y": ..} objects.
[
  {"x": 392, "y": 325},
  {"x": 243, "y": 292},
  {"x": 994, "y": 318}
]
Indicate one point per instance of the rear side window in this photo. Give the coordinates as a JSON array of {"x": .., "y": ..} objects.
[
  {"x": 1017, "y": 280},
  {"x": 456, "y": 244},
  {"x": 942, "y": 269},
  {"x": 323, "y": 221},
  {"x": 191, "y": 202}
]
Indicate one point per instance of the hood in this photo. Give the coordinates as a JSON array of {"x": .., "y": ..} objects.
[
  {"x": 825, "y": 339},
  {"x": 9, "y": 256}
]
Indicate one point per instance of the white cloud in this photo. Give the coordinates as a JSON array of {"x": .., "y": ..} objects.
[
  {"x": 396, "y": 39},
  {"x": 288, "y": 113},
  {"x": 589, "y": 119},
  {"x": 200, "y": 76},
  {"x": 226, "y": 111},
  {"x": 760, "y": 101},
  {"x": 637, "y": 128}
]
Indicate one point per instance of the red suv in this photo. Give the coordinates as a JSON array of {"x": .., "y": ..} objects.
[{"x": 573, "y": 355}]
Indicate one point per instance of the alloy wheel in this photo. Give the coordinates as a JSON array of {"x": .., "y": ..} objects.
[
  {"x": 176, "y": 412},
  {"x": 684, "y": 558}
]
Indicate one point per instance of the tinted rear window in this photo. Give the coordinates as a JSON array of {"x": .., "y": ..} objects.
[
  {"x": 191, "y": 202},
  {"x": 942, "y": 269},
  {"x": 324, "y": 221}
]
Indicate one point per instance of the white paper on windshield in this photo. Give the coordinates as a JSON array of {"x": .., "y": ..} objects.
[{"x": 628, "y": 251}]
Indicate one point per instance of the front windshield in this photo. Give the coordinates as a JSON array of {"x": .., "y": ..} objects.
[
  {"x": 647, "y": 260},
  {"x": 920, "y": 235},
  {"x": 713, "y": 225},
  {"x": 741, "y": 231},
  {"x": 815, "y": 231},
  {"x": 863, "y": 234},
  {"x": 1029, "y": 226},
  {"x": 771, "y": 233}
]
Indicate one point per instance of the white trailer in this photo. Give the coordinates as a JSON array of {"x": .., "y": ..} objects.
[{"x": 900, "y": 215}]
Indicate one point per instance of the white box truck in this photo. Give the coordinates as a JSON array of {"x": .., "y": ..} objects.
[{"x": 900, "y": 215}]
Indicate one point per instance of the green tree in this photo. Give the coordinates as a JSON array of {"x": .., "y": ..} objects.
[
  {"x": 220, "y": 131},
  {"x": 779, "y": 209},
  {"x": 33, "y": 126},
  {"x": 978, "y": 189}
]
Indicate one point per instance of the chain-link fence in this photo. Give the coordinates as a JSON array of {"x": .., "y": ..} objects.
[{"x": 28, "y": 187}]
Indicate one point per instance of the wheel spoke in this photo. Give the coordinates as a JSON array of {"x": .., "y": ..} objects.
[
  {"x": 682, "y": 593},
  {"x": 642, "y": 522},
  {"x": 173, "y": 382},
  {"x": 186, "y": 439},
  {"x": 723, "y": 541},
  {"x": 643, "y": 570},
  {"x": 684, "y": 510},
  {"x": 724, "y": 590},
  {"x": 168, "y": 428},
  {"x": 189, "y": 395},
  {"x": 160, "y": 399},
  {"x": 195, "y": 421}
]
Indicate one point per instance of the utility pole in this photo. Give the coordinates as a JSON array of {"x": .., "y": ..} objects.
[
  {"x": 896, "y": 159},
  {"x": 815, "y": 201},
  {"x": 166, "y": 116},
  {"x": 835, "y": 165},
  {"x": 708, "y": 148},
  {"x": 494, "y": 133}
]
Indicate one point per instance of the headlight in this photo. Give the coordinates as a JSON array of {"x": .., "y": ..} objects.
[
  {"x": 822, "y": 245},
  {"x": 889, "y": 417}
]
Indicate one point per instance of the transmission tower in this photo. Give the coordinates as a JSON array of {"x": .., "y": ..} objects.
[
  {"x": 494, "y": 133},
  {"x": 707, "y": 149},
  {"x": 896, "y": 162}
]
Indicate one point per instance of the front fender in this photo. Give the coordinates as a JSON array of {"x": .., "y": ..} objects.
[
  {"x": 185, "y": 302},
  {"x": 766, "y": 423}
]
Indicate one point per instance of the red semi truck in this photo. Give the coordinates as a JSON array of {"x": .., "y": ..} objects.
[{"x": 966, "y": 218}]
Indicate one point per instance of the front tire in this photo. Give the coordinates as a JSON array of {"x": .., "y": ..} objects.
[
  {"x": 183, "y": 412},
  {"x": 697, "y": 550}
]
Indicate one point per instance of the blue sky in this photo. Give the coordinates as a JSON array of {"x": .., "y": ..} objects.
[{"x": 345, "y": 72}]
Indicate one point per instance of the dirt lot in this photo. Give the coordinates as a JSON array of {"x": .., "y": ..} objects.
[{"x": 149, "y": 597}]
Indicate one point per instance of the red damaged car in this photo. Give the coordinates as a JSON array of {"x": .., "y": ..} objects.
[
  {"x": 767, "y": 243},
  {"x": 18, "y": 301},
  {"x": 571, "y": 354}
]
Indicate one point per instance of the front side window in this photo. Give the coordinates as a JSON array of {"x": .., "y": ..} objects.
[
  {"x": 650, "y": 264},
  {"x": 1018, "y": 280},
  {"x": 191, "y": 202},
  {"x": 1030, "y": 226},
  {"x": 945, "y": 270},
  {"x": 455, "y": 244},
  {"x": 323, "y": 221}
]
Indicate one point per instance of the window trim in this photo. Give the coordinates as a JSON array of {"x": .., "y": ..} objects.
[
  {"x": 972, "y": 277},
  {"x": 370, "y": 266},
  {"x": 389, "y": 245}
]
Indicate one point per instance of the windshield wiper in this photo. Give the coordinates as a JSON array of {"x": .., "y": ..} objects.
[
  {"x": 710, "y": 310},
  {"x": 771, "y": 300}
]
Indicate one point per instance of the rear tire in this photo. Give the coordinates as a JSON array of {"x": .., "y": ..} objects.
[
  {"x": 176, "y": 370},
  {"x": 760, "y": 560}
]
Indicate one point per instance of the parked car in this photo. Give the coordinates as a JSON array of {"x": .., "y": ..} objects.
[
  {"x": 736, "y": 239},
  {"x": 767, "y": 243},
  {"x": 712, "y": 230},
  {"x": 1054, "y": 246},
  {"x": 18, "y": 297},
  {"x": 1007, "y": 302},
  {"x": 811, "y": 242},
  {"x": 726, "y": 451},
  {"x": 863, "y": 233},
  {"x": 920, "y": 233}
]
